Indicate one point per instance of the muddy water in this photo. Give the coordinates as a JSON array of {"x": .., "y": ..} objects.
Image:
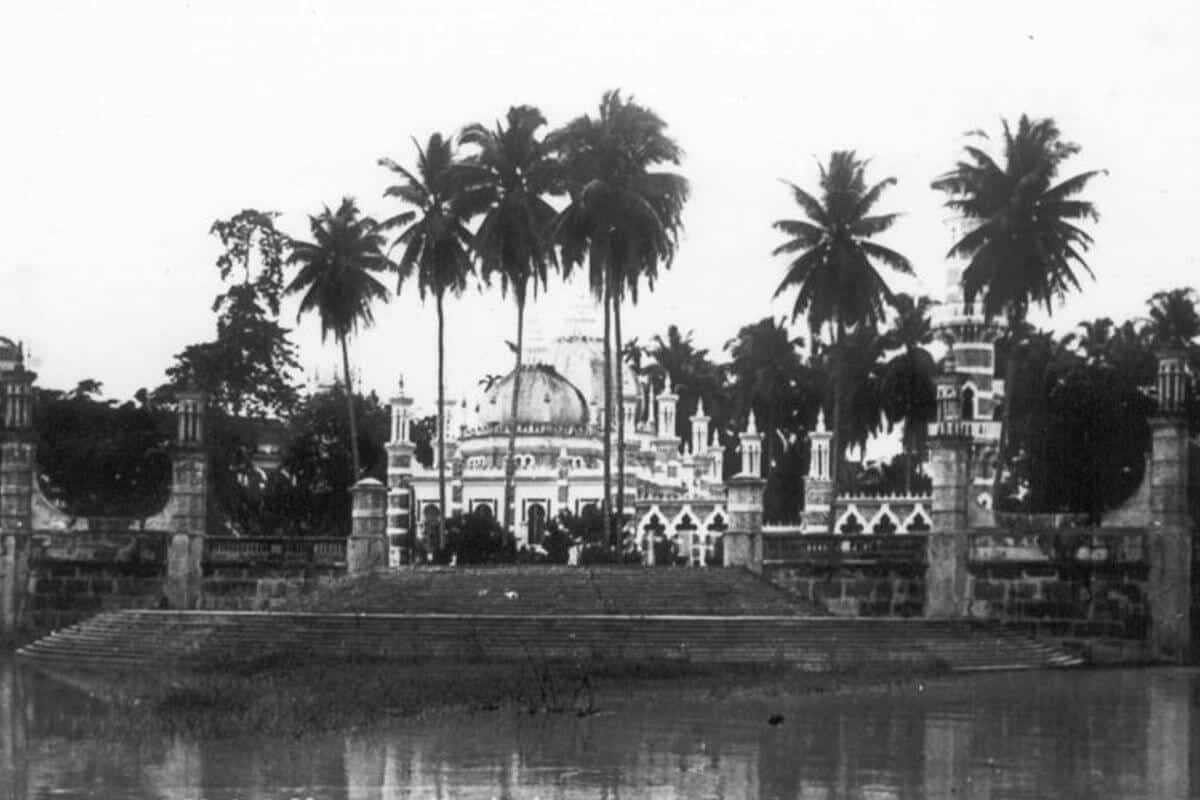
[{"x": 1128, "y": 734}]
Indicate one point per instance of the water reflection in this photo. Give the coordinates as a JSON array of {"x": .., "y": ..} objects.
[{"x": 1089, "y": 734}]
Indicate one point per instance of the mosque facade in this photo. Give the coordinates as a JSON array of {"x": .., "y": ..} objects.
[{"x": 674, "y": 488}]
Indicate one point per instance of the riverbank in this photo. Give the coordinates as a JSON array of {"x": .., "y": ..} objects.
[{"x": 295, "y": 696}]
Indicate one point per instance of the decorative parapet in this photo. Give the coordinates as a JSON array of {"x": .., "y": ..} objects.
[
  {"x": 1126, "y": 547},
  {"x": 253, "y": 551},
  {"x": 830, "y": 550}
]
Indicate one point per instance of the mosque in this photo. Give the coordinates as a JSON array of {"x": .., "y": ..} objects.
[{"x": 673, "y": 488}]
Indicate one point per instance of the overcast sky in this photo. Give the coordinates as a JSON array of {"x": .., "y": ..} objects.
[{"x": 127, "y": 128}]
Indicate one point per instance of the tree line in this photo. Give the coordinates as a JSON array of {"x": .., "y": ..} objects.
[{"x": 510, "y": 204}]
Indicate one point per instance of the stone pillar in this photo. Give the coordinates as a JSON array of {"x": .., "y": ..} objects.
[
  {"x": 946, "y": 545},
  {"x": 743, "y": 541},
  {"x": 1169, "y": 533},
  {"x": 366, "y": 549},
  {"x": 818, "y": 485},
  {"x": 188, "y": 504},
  {"x": 17, "y": 466}
]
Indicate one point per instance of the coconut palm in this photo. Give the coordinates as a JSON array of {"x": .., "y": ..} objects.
[
  {"x": 907, "y": 387},
  {"x": 435, "y": 244},
  {"x": 624, "y": 216},
  {"x": 510, "y": 175},
  {"x": 693, "y": 375},
  {"x": 768, "y": 377},
  {"x": 1174, "y": 320},
  {"x": 1022, "y": 244},
  {"x": 337, "y": 281},
  {"x": 834, "y": 271}
]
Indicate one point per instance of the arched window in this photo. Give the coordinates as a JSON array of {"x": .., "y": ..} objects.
[
  {"x": 535, "y": 521},
  {"x": 968, "y": 404}
]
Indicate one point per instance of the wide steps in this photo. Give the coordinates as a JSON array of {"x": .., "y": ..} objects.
[
  {"x": 561, "y": 591},
  {"x": 145, "y": 638}
]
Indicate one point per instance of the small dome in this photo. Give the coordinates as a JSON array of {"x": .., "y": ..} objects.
[{"x": 546, "y": 398}]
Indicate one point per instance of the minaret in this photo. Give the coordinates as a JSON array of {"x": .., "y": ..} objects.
[
  {"x": 667, "y": 401},
  {"x": 666, "y": 445},
  {"x": 401, "y": 530},
  {"x": 700, "y": 429},
  {"x": 971, "y": 338},
  {"x": 818, "y": 485},
  {"x": 751, "y": 441}
]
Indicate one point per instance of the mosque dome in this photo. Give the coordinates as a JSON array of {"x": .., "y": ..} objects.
[{"x": 546, "y": 398}]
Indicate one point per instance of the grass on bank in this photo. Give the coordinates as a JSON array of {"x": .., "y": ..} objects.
[{"x": 291, "y": 695}]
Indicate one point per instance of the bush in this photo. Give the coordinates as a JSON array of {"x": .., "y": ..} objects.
[{"x": 476, "y": 538}]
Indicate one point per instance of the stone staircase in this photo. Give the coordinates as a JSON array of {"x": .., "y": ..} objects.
[
  {"x": 559, "y": 591},
  {"x": 612, "y": 615}
]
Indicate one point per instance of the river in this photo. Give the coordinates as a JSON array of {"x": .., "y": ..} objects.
[{"x": 1071, "y": 734}]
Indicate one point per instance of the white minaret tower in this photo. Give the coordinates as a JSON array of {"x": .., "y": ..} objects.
[
  {"x": 751, "y": 441},
  {"x": 399, "y": 479},
  {"x": 699, "y": 429},
  {"x": 819, "y": 468},
  {"x": 667, "y": 400}
]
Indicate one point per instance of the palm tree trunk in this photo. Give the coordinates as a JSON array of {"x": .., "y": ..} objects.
[
  {"x": 607, "y": 501},
  {"x": 620, "y": 386},
  {"x": 350, "y": 408},
  {"x": 441, "y": 415},
  {"x": 835, "y": 441},
  {"x": 510, "y": 510}
]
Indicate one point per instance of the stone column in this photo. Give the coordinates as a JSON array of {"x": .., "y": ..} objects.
[
  {"x": 743, "y": 541},
  {"x": 17, "y": 451},
  {"x": 1169, "y": 533},
  {"x": 366, "y": 549},
  {"x": 946, "y": 545},
  {"x": 818, "y": 485},
  {"x": 189, "y": 503}
]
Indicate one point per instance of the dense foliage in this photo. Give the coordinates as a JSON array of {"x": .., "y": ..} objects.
[
  {"x": 505, "y": 203},
  {"x": 102, "y": 458}
]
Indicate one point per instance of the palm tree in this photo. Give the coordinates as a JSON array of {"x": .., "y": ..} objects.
[
  {"x": 511, "y": 175},
  {"x": 768, "y": 377},
  {"x": 692, "y": 374},
  {"x": 1022, "y": 242},
  {"x": 436, "y": 245},
  {"x": 337, "y": 282},
  {"x": 834, "y": 274},
  {"x": 909, "y": 395},
  {"x": 624, "y": 217},
  {"x": 1174, "y": 320}
]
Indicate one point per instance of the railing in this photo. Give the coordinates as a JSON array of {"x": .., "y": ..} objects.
[
  {"x": 1095, "y": 546},
  {"x": 297, "y": 551},
  {"x": 101, "y": 546},
  {"x": 824, "y": 549}
]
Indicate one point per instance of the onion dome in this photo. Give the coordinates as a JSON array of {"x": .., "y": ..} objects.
[{"x": 546, "y": 398}]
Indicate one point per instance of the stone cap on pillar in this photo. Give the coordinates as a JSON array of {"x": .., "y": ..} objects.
[
  {"x": 190, "y": 412},
  {"x": 369, "y": 497},
  {"x": 1171, "y": 385}
]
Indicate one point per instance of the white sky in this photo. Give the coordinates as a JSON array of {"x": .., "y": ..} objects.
[{"x": 127, "y": 128}]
